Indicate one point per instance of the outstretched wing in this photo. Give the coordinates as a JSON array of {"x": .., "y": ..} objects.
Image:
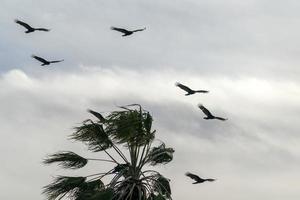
[
  {"x": 23, "y": 24},
  {"x": 42, "y": 29},
  {"x": 193, "y": 176},
  {"x": 96, "y": 114},
  {"x": 210, "y": 179},
  {"x": 56, "y": 61},
  {"x": 183, "y": 87},
  {"x": 205, "y": 111},
  {"x": 221, "y": 118},
  {"x": 202, "y": 91},
  {"x": 119, "y": 29},
  {"x": 139, "y": 30},
  {"x": 40, "y": 59}
]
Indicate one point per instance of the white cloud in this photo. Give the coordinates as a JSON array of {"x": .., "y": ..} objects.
[{"x": 257, "y": 147}]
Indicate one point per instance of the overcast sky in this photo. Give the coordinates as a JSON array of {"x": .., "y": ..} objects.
[{"x": 245, "y": 52}]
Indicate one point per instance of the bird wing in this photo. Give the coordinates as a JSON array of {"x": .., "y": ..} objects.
[
  {"x": 42, "y": 29},
  {"x": 183, "y": 87},
  {"x": 193, "y": 176},
  {"x": 210, "y": 179},
  {"x": 202, "y": 91},
  {"x": 40, "y": 59},
  {"x": 96, "y": 114},
  {"x": 205, "y": 111},
  {"x": 221, "y": 118},
  {"x": 23, "y": 24},
  {"x": 56, "y": 61},
  {"x": 119, "y": 29},
  {"x": 142, "y": 29}
]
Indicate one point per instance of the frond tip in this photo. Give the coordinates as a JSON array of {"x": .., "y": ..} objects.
[
  {"x": 66, "y": 159},
  {"x": 63, "y": 186},
  {"x": 160, "y": 155}
]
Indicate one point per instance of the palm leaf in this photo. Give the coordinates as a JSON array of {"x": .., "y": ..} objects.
[
  {"x": 93, "y": 135},
  {"x": 162, "y": 186},
  {"x": 66, "y": 159},
  {"x": 63, "y": 186},
  {"x": 89, "y": 189},
  {"x": 160, "y": 155}
]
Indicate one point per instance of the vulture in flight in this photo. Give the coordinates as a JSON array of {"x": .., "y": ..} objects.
[
  {"x": 29, "y": 28},
  {"x": 45, "y": 62},
  {"x": 189, "y": 90},
  {"x": 197, "y": 178},
  {"x": 208, "y": 114},
  {"x": 126, "y": 32}
]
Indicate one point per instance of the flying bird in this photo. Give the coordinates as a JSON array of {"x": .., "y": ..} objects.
[
  {"x": 29, "y": 28},
  {"x": 45, "y": 62},
  {"x": 197, "y": 178},
  {"x": 208, "y": 114},
  {"x": 126, "y": 32},
  {"x": 189, "y": 90}
]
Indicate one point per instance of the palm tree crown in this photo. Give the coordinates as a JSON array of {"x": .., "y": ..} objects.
[{"x": 130, "y": 128}]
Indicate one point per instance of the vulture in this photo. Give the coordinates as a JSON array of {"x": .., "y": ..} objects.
[
  {"x": 208, "y": 114},
  {"x": 45, "y": 62},
  {"x": 189, "y": 90},
  {"x": 197, "y": 178},
  {"x": 126, "y": 32},
  {"x": 29, "y": 28}
]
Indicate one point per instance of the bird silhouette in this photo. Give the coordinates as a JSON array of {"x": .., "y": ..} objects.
[
  {"x": 208, "y": 114},
  {"x": 197, "y": 178},
  {"x": 125, "y": 31},
  {"x": 189, "y": 90},
  {"x": 29, "y": 28},
  {"x": 45, "y": 62}
]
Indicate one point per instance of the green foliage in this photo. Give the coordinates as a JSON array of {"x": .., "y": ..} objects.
[
  {"x": 93, "y": 135},
  {"x": 160, "y": 155},
  {"x": 62, "y": 186},
  {"x": 66, "y": 159},
  {"x": 131, "y": 129}
]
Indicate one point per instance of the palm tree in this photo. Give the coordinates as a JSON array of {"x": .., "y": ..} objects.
[{"x": 130, "y": 128}]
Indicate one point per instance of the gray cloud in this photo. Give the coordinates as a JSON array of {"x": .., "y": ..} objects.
[{"x": 245, "y": 53}]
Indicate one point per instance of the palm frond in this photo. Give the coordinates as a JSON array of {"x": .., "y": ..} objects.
[
  {"x": 93, "y": 135},
  {"x": 89, "y": 189},
  {"x": 162, "y": 186},
  {"x": 160, "y": 155},
  {"x": 66, "y": 159},
  {"x": 63, "y": 186},
  {"x": 131, "y": 126},
  {"x": 106, "y": 194}
]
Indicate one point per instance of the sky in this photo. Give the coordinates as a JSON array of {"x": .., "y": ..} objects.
[{"x": 246, "y": 53}]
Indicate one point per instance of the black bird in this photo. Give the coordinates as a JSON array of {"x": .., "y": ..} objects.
[
  {"x": 197, "y": 178},
  {"x": 45, "y": 62},
  {"x": 189, "y": 90},
  {"x": 126, "y": 32},
  {"x": 208, "y": 114},
  {"x": 29, "y": 28},
  {"x": 96, "y": 114}
]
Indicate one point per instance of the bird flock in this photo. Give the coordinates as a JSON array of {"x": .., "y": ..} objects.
[{"x": 125, "y": 32}]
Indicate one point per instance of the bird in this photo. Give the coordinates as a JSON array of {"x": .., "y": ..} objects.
[
  {"x": 29, "y": 28},
  {"x": 126, "y": 32},
  {"x": 208, "y": 114},
  {"x": 45, "y": 62},
  {"x": 189, "y": 90},
  {"x": 197, "y": 178}
]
